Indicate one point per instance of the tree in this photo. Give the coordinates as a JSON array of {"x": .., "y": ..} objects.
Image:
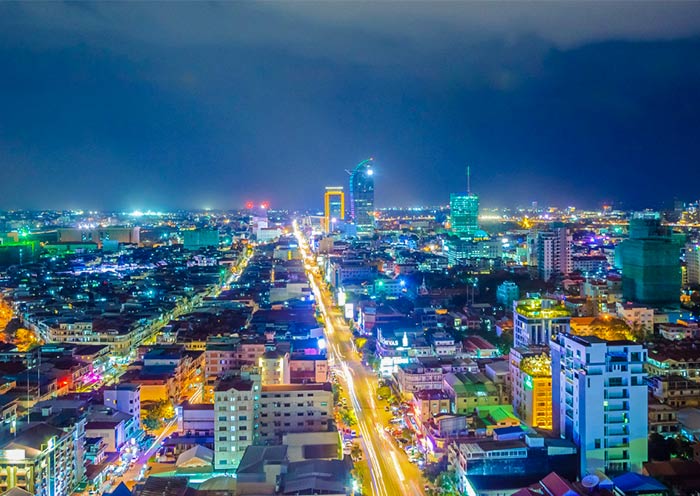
[
  {"x": 356, "y": 451},
  {"x": 157, "y": 413},
  {"x": 447, "y": 484},
  {"x": 348, "y": 417},
  {"x": 384, "y": 392},
  {"x": 26, "y": 339},
  {"x": 658, "y": 449}
]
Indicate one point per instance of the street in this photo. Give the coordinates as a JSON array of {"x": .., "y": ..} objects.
[{"x": 391, "y": 472}]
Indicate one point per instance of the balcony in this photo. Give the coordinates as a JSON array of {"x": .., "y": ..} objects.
[
  {"x": 618, "y": 444},
  {"x": 615, "y": 420},
  {"x": 615, "y": 408},
  {"x": 617, "y": 456}
]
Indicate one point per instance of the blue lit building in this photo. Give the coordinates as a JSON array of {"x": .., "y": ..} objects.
[
  {"x": 464, "y": 215},
  {"x": 362, "y": 196},
  {"x": 650, "y": 258}
]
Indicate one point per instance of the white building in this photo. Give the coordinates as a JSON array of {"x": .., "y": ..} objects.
[
  {"x": 236, "y": 402},
  {"x": 600, "y": 401},
  {"x": 245, "y": 411},
  {"x": 636, "y": 315},
  {"x": 535, "y": 320},
  {"x": 126, "y": 398},
  {"x": 288, "y": 408},
  {"x": 553, "y": 253},
  {"x": 692, "y": 260},
  {"x": 274, "y": 367}
]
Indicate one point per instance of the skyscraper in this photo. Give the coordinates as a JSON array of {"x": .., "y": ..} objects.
[
  {"x": 464, "y": 212},
  {"x": 362, "y": 196},
  {"x": 650, "y": 258},
  {"x": 600, "y": 401},
  {"x": 553, "y": 253}
]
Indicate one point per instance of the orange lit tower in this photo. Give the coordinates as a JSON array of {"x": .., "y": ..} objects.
[{"x": 334, "y": 206}]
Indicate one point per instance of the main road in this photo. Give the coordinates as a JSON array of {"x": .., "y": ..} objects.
[{"x": 391, "y": 472}]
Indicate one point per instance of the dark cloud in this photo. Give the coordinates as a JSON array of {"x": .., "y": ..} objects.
[{"x": 157, "y": 105}]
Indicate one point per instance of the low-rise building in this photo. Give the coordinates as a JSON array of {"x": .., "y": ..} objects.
[
  {"x": 429, "y": 403},
  {"x": 505, "y": 466},
  {"x": 468, "y": 392},
  {"x": 675, "y": 390},
  {"x": 663, "y": 420}
]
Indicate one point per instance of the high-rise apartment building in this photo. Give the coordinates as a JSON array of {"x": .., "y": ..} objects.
[
  {"x": 248, "y": 411},
  {"x": 42, "y": 459},
  {"x": 650, "y": 259},
  {"x": 531, "y": 385},
  {"x": 692, "y": 260},
  {"x": 536, "y": 320},
  {"x": 600, "y": 401},
  {"x": 553, "y": 253},
  {"x": 362, "y": 196},
  {"x": 236, "y": 408}
]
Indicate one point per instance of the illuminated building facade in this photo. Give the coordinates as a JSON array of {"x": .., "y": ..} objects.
[
  {"x": 600, "y": 397},
  {"x": 194, "y": 239},
  {"x": 99, "y": 235},
  {"x": 247, "y": 412},
  {"x": 464, "y": 215},
  {"x": 274, "y": 367},
  {"x": 531, "y": 386},
  {"x": 362, "y": 196},
  {"x": 236, "y": 404},
  {"x": 692, "y": 260},
  {"x": 535, "y": 320},
  {"x": 553, "y": 253},
  {"x": 651, "y": 268},
  {"x": 289, "y": 408},
  {"x": 333, "y": 207},
  {"x": 42, "y": 460}
]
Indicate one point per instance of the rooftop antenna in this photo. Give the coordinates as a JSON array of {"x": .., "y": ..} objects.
[{"x": 469, "y": 181}]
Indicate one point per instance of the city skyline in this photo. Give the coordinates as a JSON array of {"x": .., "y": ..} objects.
[{"x": 109, "y": 107}]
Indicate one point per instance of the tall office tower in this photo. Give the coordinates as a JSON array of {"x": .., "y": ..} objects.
[
  {"x": 692, "y": 260},
  {"x": 650, "y": 258},
  {"x": 536, "y": 320},
  {"x": 333, "y": 207},
  {"x": 362, "y": 196},
  {"x": 600, "y": 401},
  {"x": 553, "y": 253},
  {"x": 464, "y": 212}
]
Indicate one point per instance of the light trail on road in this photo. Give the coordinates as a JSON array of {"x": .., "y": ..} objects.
[{"x": 390, "y": 471}]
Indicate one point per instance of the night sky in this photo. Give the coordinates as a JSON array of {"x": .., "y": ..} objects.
[{"x": 167, "y": 105}]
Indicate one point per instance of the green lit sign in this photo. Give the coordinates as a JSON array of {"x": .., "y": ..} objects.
[{"x": 527, "y": 383}]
